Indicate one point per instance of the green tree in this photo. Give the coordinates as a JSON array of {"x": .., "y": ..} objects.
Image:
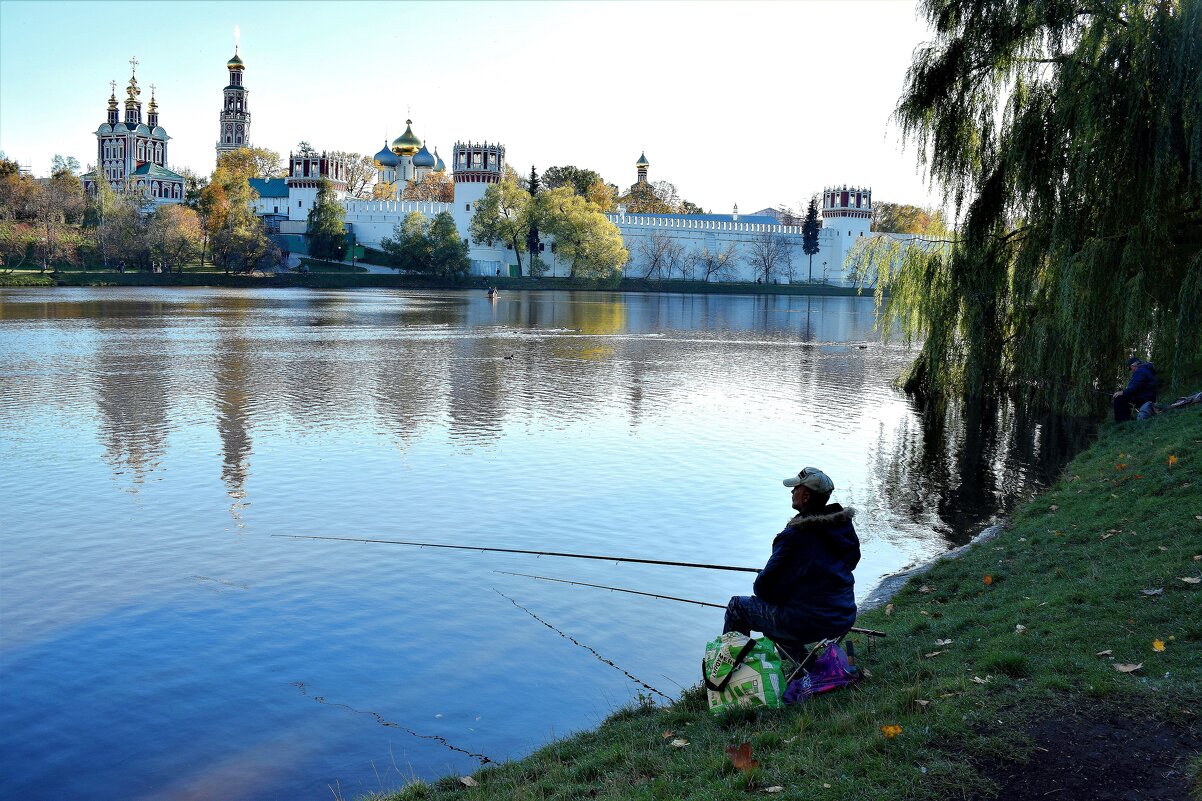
[
  {"x": 326, "y": 228},
  {"x": 1068, "y": 139},
  {"x": 584, "y": 237},
  {"x": 503, "y": 215},
  {"x": 175, "y": 236},
  {"x": 236, "y": 238},
  {"x": 577, "y": 178},
  {"x": 533, "y": 185},
  {"x": 410, "y": 247},
  {"x": 448, "y": 251},
  {"x": 59, "y": 204},
  {"x": 809, "y": 233},
  {"x": 62, "y": 163}
]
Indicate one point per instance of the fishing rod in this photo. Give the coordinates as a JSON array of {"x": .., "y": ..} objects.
[
  {"x": 869, "y": 632},
  {"x": 517, "y": 550}
]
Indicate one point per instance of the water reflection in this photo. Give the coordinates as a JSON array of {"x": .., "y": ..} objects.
[
  {"x": 646, "y": 425},
  {"x": 956, "y": 469}
]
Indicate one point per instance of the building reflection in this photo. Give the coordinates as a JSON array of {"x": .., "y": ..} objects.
[
  {"x": 234, "y": 405},
  {"x": 132, "y": 386}
]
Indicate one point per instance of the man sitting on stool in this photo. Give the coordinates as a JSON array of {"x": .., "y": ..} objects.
[
  {"x": 1140, "y": 389},
  {"x": 806, "y": 591}
]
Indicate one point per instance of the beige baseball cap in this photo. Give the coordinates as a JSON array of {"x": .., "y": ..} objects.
[{"x": 812, "y": 479}]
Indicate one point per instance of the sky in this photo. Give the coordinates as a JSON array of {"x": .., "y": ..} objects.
[{"x": 759, "y": 104}]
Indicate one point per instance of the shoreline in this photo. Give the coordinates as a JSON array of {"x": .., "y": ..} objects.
[
  {"x": 344, "y": 280},
  {"x": 987, "y": 685}
]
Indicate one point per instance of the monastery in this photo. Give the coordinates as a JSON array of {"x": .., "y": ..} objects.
[{"x": 132, "y": 151}]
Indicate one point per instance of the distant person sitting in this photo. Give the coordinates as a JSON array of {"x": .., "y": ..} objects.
[
  {"x": 806, "y": 591},
  {"x": 1140, "y": 389}
]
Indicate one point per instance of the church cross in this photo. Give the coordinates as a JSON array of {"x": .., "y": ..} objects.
[
  {"x": 133, "y": 64},
  {"x": 113, "y": 86},
  {"x": 152, "y": 88}
]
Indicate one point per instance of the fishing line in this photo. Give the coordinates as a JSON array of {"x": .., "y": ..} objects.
[
  {"x": 699, "y": 565},
  {"x": 574, "y": 641},
  {"x": 484, "y": 760}
]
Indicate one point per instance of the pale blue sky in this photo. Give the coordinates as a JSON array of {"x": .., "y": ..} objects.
[{"x": 750, "y": 103}]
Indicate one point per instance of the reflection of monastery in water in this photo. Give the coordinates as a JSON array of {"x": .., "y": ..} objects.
[{"x": 660, "y": 245}]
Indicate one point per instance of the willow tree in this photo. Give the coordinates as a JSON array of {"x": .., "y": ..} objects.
[{"x": 1067, "y": 137}]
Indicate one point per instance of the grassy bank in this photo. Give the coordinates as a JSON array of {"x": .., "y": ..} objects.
[
  {"x": 331, "y": 276},
  {"x": 1004, "y": 669},
  {"x": 25, "y": 279}
]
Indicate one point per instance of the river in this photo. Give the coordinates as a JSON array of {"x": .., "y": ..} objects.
[{"x": 157, "y": 642}]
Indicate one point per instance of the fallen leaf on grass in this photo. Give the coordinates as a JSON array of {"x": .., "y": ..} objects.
[
  {"x": 740, "y": 756},
  {"x": 468, "y": 781},
  {"x": 866, "y": 672},
  {"x": 934, "y": 653},
  {"x": 668, "y": 735},
  {"x": 679, "y": 742},
  {"x": 926, "y": 588},
  {"x": 1156, "y": 591},
  {"x": 1122, "y": 667},
  {"x": 944, "y": 642},
  {"x": 826, "y": 786},
  {"x": 922, "y": 703},
  {"x": 1020, "y": 628},
  {"x": 1107, "y": 652},
  {"x": 988, "y": 579},
  {"x": 1053, "y": 508},
  {"x": 888, "y": 610},
  {"x": 1172, "y": 460},
  {"x": 890, "y": 732},
  {"x": 1107, "y": 536},
  {"x": 1191, "y": 579},
  {"x": 1157, "y": 645},
  {"x": 776, "y": 788},
  {"x": 1162, "y": 548},
  {"x": 979, "y": 680}
]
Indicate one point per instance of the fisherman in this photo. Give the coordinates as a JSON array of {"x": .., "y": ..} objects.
[
  {"x": 805, "y": 592},
  {"x": 1140, "y": 389}
]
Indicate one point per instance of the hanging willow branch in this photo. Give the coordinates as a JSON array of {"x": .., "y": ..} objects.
[{"x": 1068, "y": 140}]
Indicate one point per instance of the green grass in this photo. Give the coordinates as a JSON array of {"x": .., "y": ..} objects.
[
  {"x": 25, "y": 278},
  {"x": 318, "y": 266},
  {"x": 1070, "y": 570}
]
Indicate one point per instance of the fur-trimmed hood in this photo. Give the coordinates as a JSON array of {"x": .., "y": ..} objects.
[{"x": 832, "y": 515}]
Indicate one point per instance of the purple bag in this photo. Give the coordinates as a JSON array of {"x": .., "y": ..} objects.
[{"x": 827, "y": 671}]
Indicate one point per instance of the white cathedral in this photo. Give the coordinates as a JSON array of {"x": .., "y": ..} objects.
[{"x": 136, "y": 151}]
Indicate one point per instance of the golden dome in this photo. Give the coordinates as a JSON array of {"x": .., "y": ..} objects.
[
  {"x": 407, "y": 144},
  {"x": 235, "y": 63}
]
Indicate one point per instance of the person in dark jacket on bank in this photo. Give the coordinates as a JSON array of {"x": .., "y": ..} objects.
[
  {"x": 806, "y": 591},
  {"x": 1140, "y": 389}
]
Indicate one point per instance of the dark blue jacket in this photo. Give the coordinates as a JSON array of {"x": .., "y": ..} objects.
[
  {"x": 809, "y": 574},
  {"x": 1142, "y": 386}
]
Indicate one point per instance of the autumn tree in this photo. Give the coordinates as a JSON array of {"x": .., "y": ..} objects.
[
  {"x": 503, "y": 215},
  {"x": 810, "y": 228},
  {"x": 17, "y": 192},
  {"x": 434, "y": 186},
  {"x": 236, "y": 238},
  {"x": 326, "y": 228},
  {"x": 175, "y": 236},
  {"x": 253, "y": 162},
  {"x": 1067, "y": 138},
  {"x": 584, "y": 237},
  {"x": 902, "y": 218},
  {"x": 360, "y": 174},
  {"x": 58, "y": 203}
]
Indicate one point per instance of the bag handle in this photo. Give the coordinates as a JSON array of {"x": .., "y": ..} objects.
[{"x": 743, "y": 652}]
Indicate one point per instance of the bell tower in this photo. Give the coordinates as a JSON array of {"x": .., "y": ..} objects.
[{"x": 234, "y": 131}]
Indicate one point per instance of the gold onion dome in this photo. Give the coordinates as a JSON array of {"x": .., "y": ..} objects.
[
  {"x": 407, "y": 144},
  {"x": 235, "y": 63}
]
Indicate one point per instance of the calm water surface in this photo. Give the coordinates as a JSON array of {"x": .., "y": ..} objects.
[{"x": 156, "y": 642}]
